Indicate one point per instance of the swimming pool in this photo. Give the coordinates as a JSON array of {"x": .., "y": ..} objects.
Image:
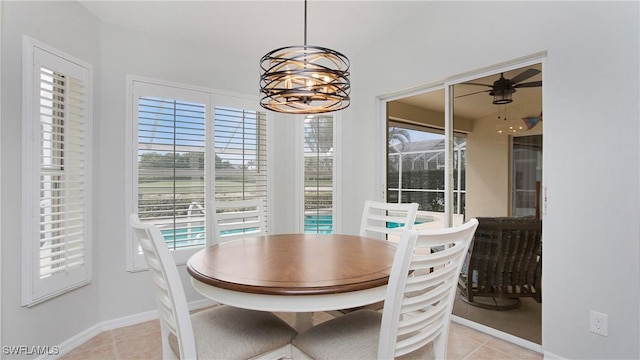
[
  {"x": 185, "y": 236},
  {"x": 318, "y": 224},
  {"x": 313, "y": 224},
  {"x": 323, "y": 224},
  {"x": 195, "y": 235}
]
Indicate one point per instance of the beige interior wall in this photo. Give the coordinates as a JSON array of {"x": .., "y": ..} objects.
[{"x": 488, "y": 180}]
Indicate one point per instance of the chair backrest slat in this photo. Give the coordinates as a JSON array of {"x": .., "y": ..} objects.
[
  {"x": 237, "y": 219},
  {"x": 380, "y": 218}
]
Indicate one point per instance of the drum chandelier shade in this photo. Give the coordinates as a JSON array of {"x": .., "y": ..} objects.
[{"x": 304, "y": 79}]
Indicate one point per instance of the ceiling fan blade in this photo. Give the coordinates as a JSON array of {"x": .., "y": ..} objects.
[
  {"x": 473, "y": 93},
  {"x": 525, "y": 75},
  {"x": 529, "y": 84},
  {"x": 477, "y": 84}
]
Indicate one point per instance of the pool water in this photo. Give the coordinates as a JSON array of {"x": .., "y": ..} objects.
[
  {"x": 323, "y": 224},
  {"x": 182, "y": 236},
  {"x": 318, "y": 224},
  {"x": 313, "y": 224}
]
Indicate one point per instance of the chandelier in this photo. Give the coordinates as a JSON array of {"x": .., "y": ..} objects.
[{"x": 304, "y": 79}]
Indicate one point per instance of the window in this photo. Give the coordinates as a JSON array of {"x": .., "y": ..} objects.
[
  {"x": 190, "y": 146},
  {"x": 56, "y": 171},
  {"x": 318, "y": 174}
]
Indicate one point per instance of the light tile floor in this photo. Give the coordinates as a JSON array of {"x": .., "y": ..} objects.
[{"x": 142, "y": 341}]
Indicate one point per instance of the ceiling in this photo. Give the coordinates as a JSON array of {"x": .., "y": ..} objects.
[
  {"x": 250, "y": 29},
  {"x": 253, "y": 28}
]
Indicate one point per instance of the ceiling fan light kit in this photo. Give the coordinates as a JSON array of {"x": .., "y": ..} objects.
[
  {"x": 304, "y": 79},
  {"x": 502, "y": 98}
]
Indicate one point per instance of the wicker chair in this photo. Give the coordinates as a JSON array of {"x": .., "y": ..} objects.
[{"x": 504, "y": 263}]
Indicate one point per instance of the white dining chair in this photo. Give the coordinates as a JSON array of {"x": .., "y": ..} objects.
[
  {"x": 381, "y": 219},
  {"x": 414, "y": 323},
  {"x": 236, "y": 219},
  {"x": 221, "y": 332}
]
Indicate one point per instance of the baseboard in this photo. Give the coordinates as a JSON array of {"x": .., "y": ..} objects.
[
  {"x": 148, "y": 315},
  {"x": 551, "y": 356},
  {"x": 72, "y": 343},
  {"x": 499, "y": 334},
  {"x": 86, "y": 335}
]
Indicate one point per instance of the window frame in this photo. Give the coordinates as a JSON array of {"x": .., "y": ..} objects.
[
  {"x": 35, "y": 288},
  {"x": 211, "y": 98}
]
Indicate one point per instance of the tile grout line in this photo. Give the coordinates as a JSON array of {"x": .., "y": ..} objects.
[
  {"x": 114, "y": 345},
  {"x": 503, "y": 352},
  {"x": 476, "y": 349}
]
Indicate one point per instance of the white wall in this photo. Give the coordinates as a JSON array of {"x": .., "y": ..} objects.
[
  {"x": 591, "y": 228},
  {"x": 67, "y": 27},
  {"x": 590, "y": 144}
]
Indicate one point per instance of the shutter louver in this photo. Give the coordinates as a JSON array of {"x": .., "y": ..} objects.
[
  {"x": 62, "y": 181},
  {"x": 240, "y": 154},
  {"x": 171, "y": 169}
]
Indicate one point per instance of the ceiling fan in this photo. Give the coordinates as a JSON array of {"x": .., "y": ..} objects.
[{"x": 502, "y": 88}]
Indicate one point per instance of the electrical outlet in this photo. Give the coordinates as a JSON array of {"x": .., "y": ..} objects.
[{"x": 599, "y": 323}]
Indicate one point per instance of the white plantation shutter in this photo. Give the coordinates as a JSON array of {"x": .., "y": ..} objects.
[
  {"x": 56, "y": 174},
  {"x": 169, "y": 162}
]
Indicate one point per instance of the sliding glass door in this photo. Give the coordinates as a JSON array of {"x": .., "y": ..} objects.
[{"x": 469, "y": 149}]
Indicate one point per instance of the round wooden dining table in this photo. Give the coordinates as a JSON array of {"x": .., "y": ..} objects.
[{"x": 300, "y": 273}]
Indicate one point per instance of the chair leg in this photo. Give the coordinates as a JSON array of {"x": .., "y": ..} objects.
[
  {"x": 304, "y": 321},
  {"x": 335, "y": 313},
  {"x": 440, "y": 346}
]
